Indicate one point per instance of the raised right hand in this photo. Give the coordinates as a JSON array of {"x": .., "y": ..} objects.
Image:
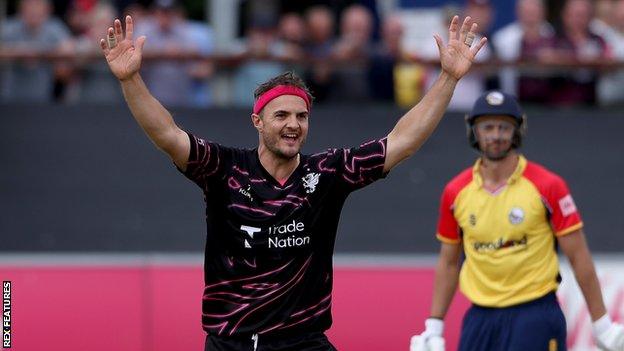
[{"x": 122, "y": 55}]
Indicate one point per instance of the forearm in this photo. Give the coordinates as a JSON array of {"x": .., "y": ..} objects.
[
  {"x": 153, "y": 118},
  {"x": 445, "y": 285},
  {"x": 419, "y": 122},
  {"x": 587, "y": 279}
]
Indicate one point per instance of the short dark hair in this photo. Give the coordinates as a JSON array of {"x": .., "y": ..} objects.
[{"x": 287, "y": 78}]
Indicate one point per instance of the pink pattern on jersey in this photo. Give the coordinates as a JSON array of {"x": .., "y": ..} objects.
[
  {"x": 321, "y": 166},
  {"x": 241, "y": 306},
  {"x": 261, "y": 291},
  {"x": 241, "y": 171},
  {"x": 287, "y": 287},
  {"x": 226, "y": 282},
  {"x": 326, "y": 298},
  {"x": 281, "y": 202},
  {"x": 358, "y": 159},
  {"x": 221, "y": 326},
  {"x": 316, "y": 314},
  {"x": 233, "y": 183},
  {"x": 251, "y": 264},
  {"x": 316, "y": 310},
  {"x": 355, "y": 166},
  {"x": 283, "y": 188},
  {"x": 251, "y": 209}
]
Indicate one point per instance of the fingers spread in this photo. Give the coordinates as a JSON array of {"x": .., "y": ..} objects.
[
  {"x": 129, "y": 27},
  {"x": 470, "y": 36},
  {"x": 478, "y": 47},
  {"x": 473, "y": 28},
  {"x": 103, "y": 46},
  {"x": 110, "y": 38},
  {"x": 118, "y": 30},
  {"x": 453, "y": 27},
  {"x": 464, "y": 29},
  {"x": 139, "y": 43},
  {"x": 439, "y": 42}
]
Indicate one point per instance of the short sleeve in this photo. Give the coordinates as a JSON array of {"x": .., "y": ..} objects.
[
  {"x": 206, "y": 162},
  {"x": 362, "y": 165},
  {"x": 564, "y": 215},
  {"x": 448, "y": 229}
]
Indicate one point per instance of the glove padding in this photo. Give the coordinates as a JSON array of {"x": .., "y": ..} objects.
[
  {"x": 609, "y": 336},
  {"x": 422, "y": 343},
  {"x": 431, "y": 339}
]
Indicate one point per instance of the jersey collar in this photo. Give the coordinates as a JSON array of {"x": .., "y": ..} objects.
[
  {"x": 266, "y": 175},
  {"x": 522, "y": 162}
]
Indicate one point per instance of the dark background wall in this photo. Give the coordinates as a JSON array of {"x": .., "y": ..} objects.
[{"x": 87, "y": 179}]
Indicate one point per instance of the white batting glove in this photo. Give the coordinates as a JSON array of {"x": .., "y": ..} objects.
[
  {"x": 431, "y": 339},
  {"x": 609, "y": 336}
]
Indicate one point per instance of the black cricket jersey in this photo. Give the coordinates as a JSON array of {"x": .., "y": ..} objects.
[{"x": 269, "y": 246}]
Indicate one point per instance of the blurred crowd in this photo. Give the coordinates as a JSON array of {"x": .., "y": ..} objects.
[{"x": 349, "y": 56}]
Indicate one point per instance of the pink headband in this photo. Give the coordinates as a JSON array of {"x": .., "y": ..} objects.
[{"x": 279, "y": 91}]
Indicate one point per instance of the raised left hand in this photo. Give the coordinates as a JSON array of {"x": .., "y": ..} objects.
[{"x": 457, "y": 56}]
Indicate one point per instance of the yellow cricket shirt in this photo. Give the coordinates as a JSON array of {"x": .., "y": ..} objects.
[{"x": 508, "y": 236}]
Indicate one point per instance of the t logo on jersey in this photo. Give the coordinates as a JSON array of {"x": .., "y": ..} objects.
[
  {"x": 310, "y": 181},
  {"x": 250, "y": 231}
]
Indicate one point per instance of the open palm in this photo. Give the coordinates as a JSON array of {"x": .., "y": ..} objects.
[
  {"x": 458, "y": 55},
  {"x": 122, "y": 55}
]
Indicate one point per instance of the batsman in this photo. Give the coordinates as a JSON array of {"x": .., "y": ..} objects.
[{"x": 507, "y": 217}]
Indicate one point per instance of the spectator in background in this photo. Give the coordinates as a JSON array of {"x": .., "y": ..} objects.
[
  {"x": 33, "y": 31},
  {"x": 352, "y": 51},
  {"x": 577, "y": 41},
  {"x": 482, "y": 13},
  {"x": 603, "y": 17},
  {"x": 527, "y": 39},
  {"x": 262, "y": 52},
  {"x": 138, "y": 13},
  {"x": 201, "y": 73},
  {"x": 610, "y": 90},
  {"x": 384, "y": 58},
  {"x": 78, "y": 16},
  {"x": 93, "y": 83},
  {"x": 171, "y": 81},
  {"x": 292, "y": 35},
  {"x": 319, "y": 22},
  {"x": 291, "y": 38},
  {"x": 474, "y": 83}
]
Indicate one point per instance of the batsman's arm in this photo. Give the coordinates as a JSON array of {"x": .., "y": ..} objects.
[
  {"x": 446, "y": 279},
  {"x": 574, "y": 246}
]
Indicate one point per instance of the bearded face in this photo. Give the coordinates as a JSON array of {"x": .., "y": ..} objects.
[
  {"x": 283, "y": 126},
  {"x": 495, "y": 136}
]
